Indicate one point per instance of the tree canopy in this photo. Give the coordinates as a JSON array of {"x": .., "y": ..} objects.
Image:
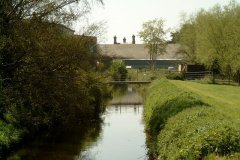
[
  {"x": 211, "y": 37},
  {"x": 153, "y": 35},
  {"x": 47, "y": 77}
]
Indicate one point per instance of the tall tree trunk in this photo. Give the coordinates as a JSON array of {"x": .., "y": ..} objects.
[
  {"x": 229, "y": 78},
  {"x": 213, "y": 77}
]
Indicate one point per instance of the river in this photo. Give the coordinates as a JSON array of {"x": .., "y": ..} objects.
[{"x": 119, "y": 136}]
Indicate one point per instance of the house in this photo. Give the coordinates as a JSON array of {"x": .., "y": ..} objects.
[
  {"x": 90, "y": 42},
  {"x": 191, "y": 68},
  {"x": 66, "y": 30},
  {"x": 136, "y": 55}
]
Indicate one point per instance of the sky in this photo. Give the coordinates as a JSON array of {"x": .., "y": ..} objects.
[{"x": 124, "y": 18}]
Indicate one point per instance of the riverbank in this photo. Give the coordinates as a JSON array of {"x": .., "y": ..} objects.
[
  {"x": 187, "y": 120},
  {"x": 23, "y": 122},
  {"x": 61, "y": 143},
  {"x": 97, "y": 140}
]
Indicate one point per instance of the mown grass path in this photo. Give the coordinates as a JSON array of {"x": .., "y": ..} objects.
[{"x": 224, "y": 98}]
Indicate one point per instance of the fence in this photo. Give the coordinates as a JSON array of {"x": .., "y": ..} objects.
[
  {"x": 198, "y": 75},
  {"x": 149, "y": 75}
]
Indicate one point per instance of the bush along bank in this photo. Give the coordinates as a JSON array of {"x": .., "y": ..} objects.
[
  {"x": 80, "y": 107},
  {"x": 9, "y": 135},
  {"x": 180, "y": 125}
]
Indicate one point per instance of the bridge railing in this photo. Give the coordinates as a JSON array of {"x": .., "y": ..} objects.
[{"x": 125, "y": 80}]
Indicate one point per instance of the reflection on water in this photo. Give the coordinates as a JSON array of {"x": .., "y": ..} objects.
[
  {"x": 120, "y": 136},
  {"x": 128, "y": 96},
  {"x": 135, "y": 108},
  {"x": 119, "y": 90},
  {"x": 64, "y": 144}
]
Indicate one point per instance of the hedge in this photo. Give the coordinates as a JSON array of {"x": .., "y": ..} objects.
[{"x": 180, "y": 125}]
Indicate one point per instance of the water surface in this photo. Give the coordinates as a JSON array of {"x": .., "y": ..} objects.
[
  {"x": 118, "y": 136},
  {"x": 122, "y": 136}
]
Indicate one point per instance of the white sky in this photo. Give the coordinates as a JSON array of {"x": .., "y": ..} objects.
[{"x": 125, "y": 17}]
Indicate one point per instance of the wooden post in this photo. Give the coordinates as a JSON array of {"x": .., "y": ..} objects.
[
  {"x": 238, "y": 75},
  {"x": 137, "y": 74}
]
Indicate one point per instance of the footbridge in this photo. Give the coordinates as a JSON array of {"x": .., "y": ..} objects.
[{"x": 129, "y": 82}]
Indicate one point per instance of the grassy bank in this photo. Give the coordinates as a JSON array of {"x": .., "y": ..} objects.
[
  {"x": 186, "y": 120},
  {"x": 224, "y": 98}
]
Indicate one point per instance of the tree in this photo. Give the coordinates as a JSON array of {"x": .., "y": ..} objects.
[
  {"x": 12, "y": 14},
  {"x": 211, "y": 37},
  {"x": 153, "y": 36},
  {"x": 175, "y": 36},
  {"x": 54, "y": 82},
  {"x": 187, "y": 40},
  {"x": 45, "y": 73},
  {"x": 217, "y": 41}
]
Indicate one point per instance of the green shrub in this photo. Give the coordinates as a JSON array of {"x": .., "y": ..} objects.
[
  {"x": 197, "y": 132},
  {"x": 180, "y": 125},
  {"x": 206, "y": 80},
  {"x": 175, "y": 76},
  {"x": 158, "y": 93},
  {"x": 118, "y": 70},
  {"x": 171, "y": 107},
  {"x": 163, "y": 101},
  {"x": 234, "y": 156},
  {"x": 8, "y": 135},
  {"x": 166, "y": 100}
]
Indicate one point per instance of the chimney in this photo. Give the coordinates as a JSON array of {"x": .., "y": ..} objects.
[
  {"x": 124, "y": 40},
  {"x": 133, "y": 39},
  {"x": 115, "y": 40}
]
